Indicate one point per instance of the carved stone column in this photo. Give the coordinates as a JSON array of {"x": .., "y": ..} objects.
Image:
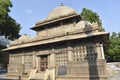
[
  {"x": 10, "y": 63},
  {"x": 23, "y": 63},
  {"x": 34, "y": 61},
  {"x": 102, "y": 51},
  {"x": 37, "y": 62},
  {"x": 52, "y": 59},
  {"x": 10, "y": 57},
  {"x": 70, "y": 53},
  {"x": 99, "y": 53},
  {"x": 48, "y": 61}
]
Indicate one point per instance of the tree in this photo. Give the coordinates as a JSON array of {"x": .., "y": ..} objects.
[
  {"x": 4, "y": 41},
  {"x": 8, "y": 26},
  {"x": 113, "y": 53},
  {"x": 91, "y": 16}
]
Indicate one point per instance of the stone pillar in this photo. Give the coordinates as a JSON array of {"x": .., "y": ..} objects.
[
  {"x": 23, "y": 59},
  {"x": 52, "y": 59},
  {"x": 10, "y": 63},
  {"x": 99, "y": 53},
  {"x": 102, "y": 51},
  {"x": 70, "y": 53},
  {"x": 37, "y": 62},
  {"x": 34, "y": 61},
  {"x": 48, "y": 61},
  {"x": 23, "y": 62},
  {"x": 10, "y": 59}
]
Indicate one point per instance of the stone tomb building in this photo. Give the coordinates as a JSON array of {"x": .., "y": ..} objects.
[{"x": 65, "y": 48}]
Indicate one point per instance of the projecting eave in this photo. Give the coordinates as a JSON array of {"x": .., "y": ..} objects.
[
  {"x": 56, "y": 39},
  {"x": 41, "y": 24}
]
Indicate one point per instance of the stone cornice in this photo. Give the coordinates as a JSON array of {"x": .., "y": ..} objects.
[
  {"x": 30, "y": 40},
  {"x": 45, "y": 22},
  {"x": 55, "y": 39}
]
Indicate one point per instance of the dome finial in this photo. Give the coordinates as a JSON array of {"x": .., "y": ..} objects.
[{"x": 61, "y": 4}]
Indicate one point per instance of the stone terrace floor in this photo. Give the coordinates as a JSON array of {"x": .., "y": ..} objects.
[{"x": 112, "y": 77}]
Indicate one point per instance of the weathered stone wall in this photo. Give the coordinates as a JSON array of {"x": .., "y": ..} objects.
[
  {"x": 77, "y": 56},
  {"x": 20, "y": 63},
  {"x": 28, "y": 64},
  {"x": 55, "y": 31},
  {"x": 15, "y": 64},
  {"x": 77, "y": 53},
  {"x": 85, "y": 70},
  {"x": 85, "y": 63}
]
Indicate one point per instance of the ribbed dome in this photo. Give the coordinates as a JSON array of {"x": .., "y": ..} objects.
[
  {"x": 61, "y": 11},
  {"x": 23, "y": 38},
  {"x": 83, "y": 24}
]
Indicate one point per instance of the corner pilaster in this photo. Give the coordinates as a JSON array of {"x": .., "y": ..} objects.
[
  {"x": 52, "y": 59},
  {"x": 34, "y": 61},
  {"x": 70, "y": 53},
  {"x": 100, "y": 51}
]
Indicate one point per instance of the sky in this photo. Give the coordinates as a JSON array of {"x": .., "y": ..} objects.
[{"x": 28, "y": 12}]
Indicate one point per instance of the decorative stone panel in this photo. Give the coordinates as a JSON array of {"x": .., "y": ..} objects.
[
  {"x": 84, "y": 52},
  {"x": 61, "y": 56},
  {"x": 28, "y": 63}
]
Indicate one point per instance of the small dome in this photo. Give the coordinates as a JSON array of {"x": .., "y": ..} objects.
[
  {"x": 61, "y": 11},
  {"x": 83, "y": 24},
  {"x": 24, "y": 37}
]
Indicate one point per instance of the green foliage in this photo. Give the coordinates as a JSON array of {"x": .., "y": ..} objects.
[
  {"x": 8, "y": 26},
  {"x": 91, "y": 16},
  {"x": 113, "y": 53},
  {"x": 4, "y": 7}
]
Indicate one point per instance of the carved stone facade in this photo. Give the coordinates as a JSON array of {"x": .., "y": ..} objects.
[{"x": 65, "y": 47}]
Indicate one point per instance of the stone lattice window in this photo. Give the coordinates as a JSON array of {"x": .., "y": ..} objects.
[
  {"x": 79, "y": 53},
  {"x": 84, "y": 52},
  {"x": 61, "y": 57},
  {"x": 91, "y": 52}
]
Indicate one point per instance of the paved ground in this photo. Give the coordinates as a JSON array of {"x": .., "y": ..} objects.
[
  {"x": 114, "y": 76},
  {"x": 3, "y": 77}
]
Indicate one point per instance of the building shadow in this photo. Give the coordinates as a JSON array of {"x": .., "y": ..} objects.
[
  {"x": 91, "y": 55},
  {"x": 92, "y": 66}
]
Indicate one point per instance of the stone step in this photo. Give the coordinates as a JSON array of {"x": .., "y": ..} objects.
[
  {"x": 38, "y": 76},
  {"x": 36, "y": 79}
]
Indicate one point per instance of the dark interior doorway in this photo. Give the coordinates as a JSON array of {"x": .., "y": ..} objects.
[{"x": 43, "y": 62}]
